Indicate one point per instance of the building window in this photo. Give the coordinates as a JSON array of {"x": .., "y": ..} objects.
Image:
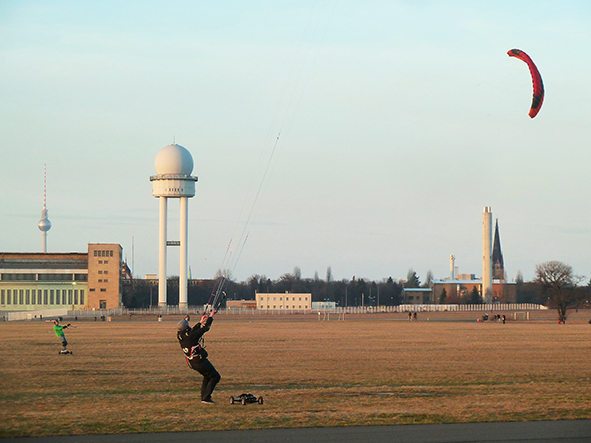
[
  {"x": 103, "y": 290},
  {"x": 51, "y": 292},
  {"x": 39, "y": 297},
  {"x": 91, "y": 290},
  {"x": 110, "y": 253},
  {"x": 58, "y": 296},
  {"x": 9, "y": 296},
  {"x": 106, "y": 272},
  {"x": 82, "y": 296},
  {"x": 102, "y": 304},
  {"x": 2, "y": 297},
  {"x": 106, "y": 280},
  {"x": 106, "y": 262},
  {"x": 33, "y": 296},
  {"x": 45, "y": 296},
  {"x": 100, "y": 272},
  {"x": 21, "y": 296},
  {"x": 95, "y": 253},
  {"x": 75, "y": 296},
  {"x": 100, "y": 262}
]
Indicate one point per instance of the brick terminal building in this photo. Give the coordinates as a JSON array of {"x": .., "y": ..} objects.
[{"x": 73, "y": 280}]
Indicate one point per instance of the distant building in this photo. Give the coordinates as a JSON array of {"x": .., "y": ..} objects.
[
  {"x": 455, "y": 290},
  {"x": 323, "y": 305},
  {"x": 417, "y": 296},
  {"x": 284, "y": 301},
  {"x": 74, "y": 280},
  {"x": 241, "y": 304}
]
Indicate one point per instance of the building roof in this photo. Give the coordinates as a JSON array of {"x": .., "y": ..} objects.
[
  {"x": 474, "y": 281},
  {"x": 43, "y": 260}
]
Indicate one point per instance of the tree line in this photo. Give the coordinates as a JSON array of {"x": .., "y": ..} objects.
[
  {"x": 555, "y": 285},
  {"x": 355, "y": 292}
]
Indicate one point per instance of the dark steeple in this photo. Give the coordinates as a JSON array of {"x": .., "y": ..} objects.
[{"x": 497, "y": 256}]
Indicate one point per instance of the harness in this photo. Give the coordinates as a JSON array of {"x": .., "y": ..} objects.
[{"x": 196, "y": 352}]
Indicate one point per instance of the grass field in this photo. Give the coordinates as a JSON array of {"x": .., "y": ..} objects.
[{"x": 130, "y": 376}]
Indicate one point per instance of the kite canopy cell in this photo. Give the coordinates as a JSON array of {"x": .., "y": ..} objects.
[{"x": 538, "y": 97}]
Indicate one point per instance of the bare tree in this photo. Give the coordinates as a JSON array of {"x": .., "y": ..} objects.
[
  {"x": 560, "y": 284},
  {"x": 428, "y": 279}
]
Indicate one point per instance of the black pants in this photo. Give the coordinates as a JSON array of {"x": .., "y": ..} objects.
[{"x": 211, "y": 377}]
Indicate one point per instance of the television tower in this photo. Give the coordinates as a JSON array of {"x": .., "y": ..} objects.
[{"x": 44, "y": 224}]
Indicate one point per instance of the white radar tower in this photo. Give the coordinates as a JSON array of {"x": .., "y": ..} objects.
[{"x": 173, "y": 179}]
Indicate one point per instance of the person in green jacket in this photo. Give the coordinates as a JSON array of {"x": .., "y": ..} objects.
[{"x": 59, "y": 331}]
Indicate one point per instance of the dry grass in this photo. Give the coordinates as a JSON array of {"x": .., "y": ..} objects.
[{"x": 131, "y": 376}]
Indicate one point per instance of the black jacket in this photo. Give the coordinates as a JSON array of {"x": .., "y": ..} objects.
[{"x": 190, "y": 340}]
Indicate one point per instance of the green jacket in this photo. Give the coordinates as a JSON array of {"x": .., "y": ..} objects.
[{"x": 59, "y": 330}]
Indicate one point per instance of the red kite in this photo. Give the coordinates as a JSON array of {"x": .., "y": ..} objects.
[{"x": 538, "y": 98}]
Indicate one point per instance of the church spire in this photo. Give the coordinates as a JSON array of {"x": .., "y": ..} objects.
[{"x": 497, "y": 255}]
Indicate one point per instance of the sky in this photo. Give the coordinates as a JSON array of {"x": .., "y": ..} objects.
[{"x": 364, "y": 136}]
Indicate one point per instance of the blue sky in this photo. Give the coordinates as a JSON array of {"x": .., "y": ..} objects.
[{"x": 399, "y": 122}]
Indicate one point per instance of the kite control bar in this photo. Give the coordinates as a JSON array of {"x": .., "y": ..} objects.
[{"x": 217, "y": 296}]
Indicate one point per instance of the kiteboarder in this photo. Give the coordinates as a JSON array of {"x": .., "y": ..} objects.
[
  {"x": 59, "y": 331},
  {"x": 191, "y": 341}
]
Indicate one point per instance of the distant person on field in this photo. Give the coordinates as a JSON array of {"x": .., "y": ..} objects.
[
  {"x": 59, "y": 331},
  {"x": 191, "y": 339}
]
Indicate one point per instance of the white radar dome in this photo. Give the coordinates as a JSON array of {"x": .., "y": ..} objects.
[{"x": 175, "y": 160}]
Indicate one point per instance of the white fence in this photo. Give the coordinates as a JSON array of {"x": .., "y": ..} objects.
[
  {"x": 196, "y": 310},
  {"x": 38, "y": 315}
]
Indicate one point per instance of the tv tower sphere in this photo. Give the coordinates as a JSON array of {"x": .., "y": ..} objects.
[
  {"x": 44, "y": 224},
  {"x": 173, "y": 179}
]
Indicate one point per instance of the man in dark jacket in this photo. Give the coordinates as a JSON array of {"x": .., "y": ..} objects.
[{"x": 191, "y": 340}]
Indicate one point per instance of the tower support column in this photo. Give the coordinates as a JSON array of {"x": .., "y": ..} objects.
[
  {"x": 162, "y": 253},
  {"x": 184, "y": 232}
]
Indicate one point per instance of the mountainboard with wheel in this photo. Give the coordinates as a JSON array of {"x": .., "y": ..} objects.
[{"x": 246, "y": 398}]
